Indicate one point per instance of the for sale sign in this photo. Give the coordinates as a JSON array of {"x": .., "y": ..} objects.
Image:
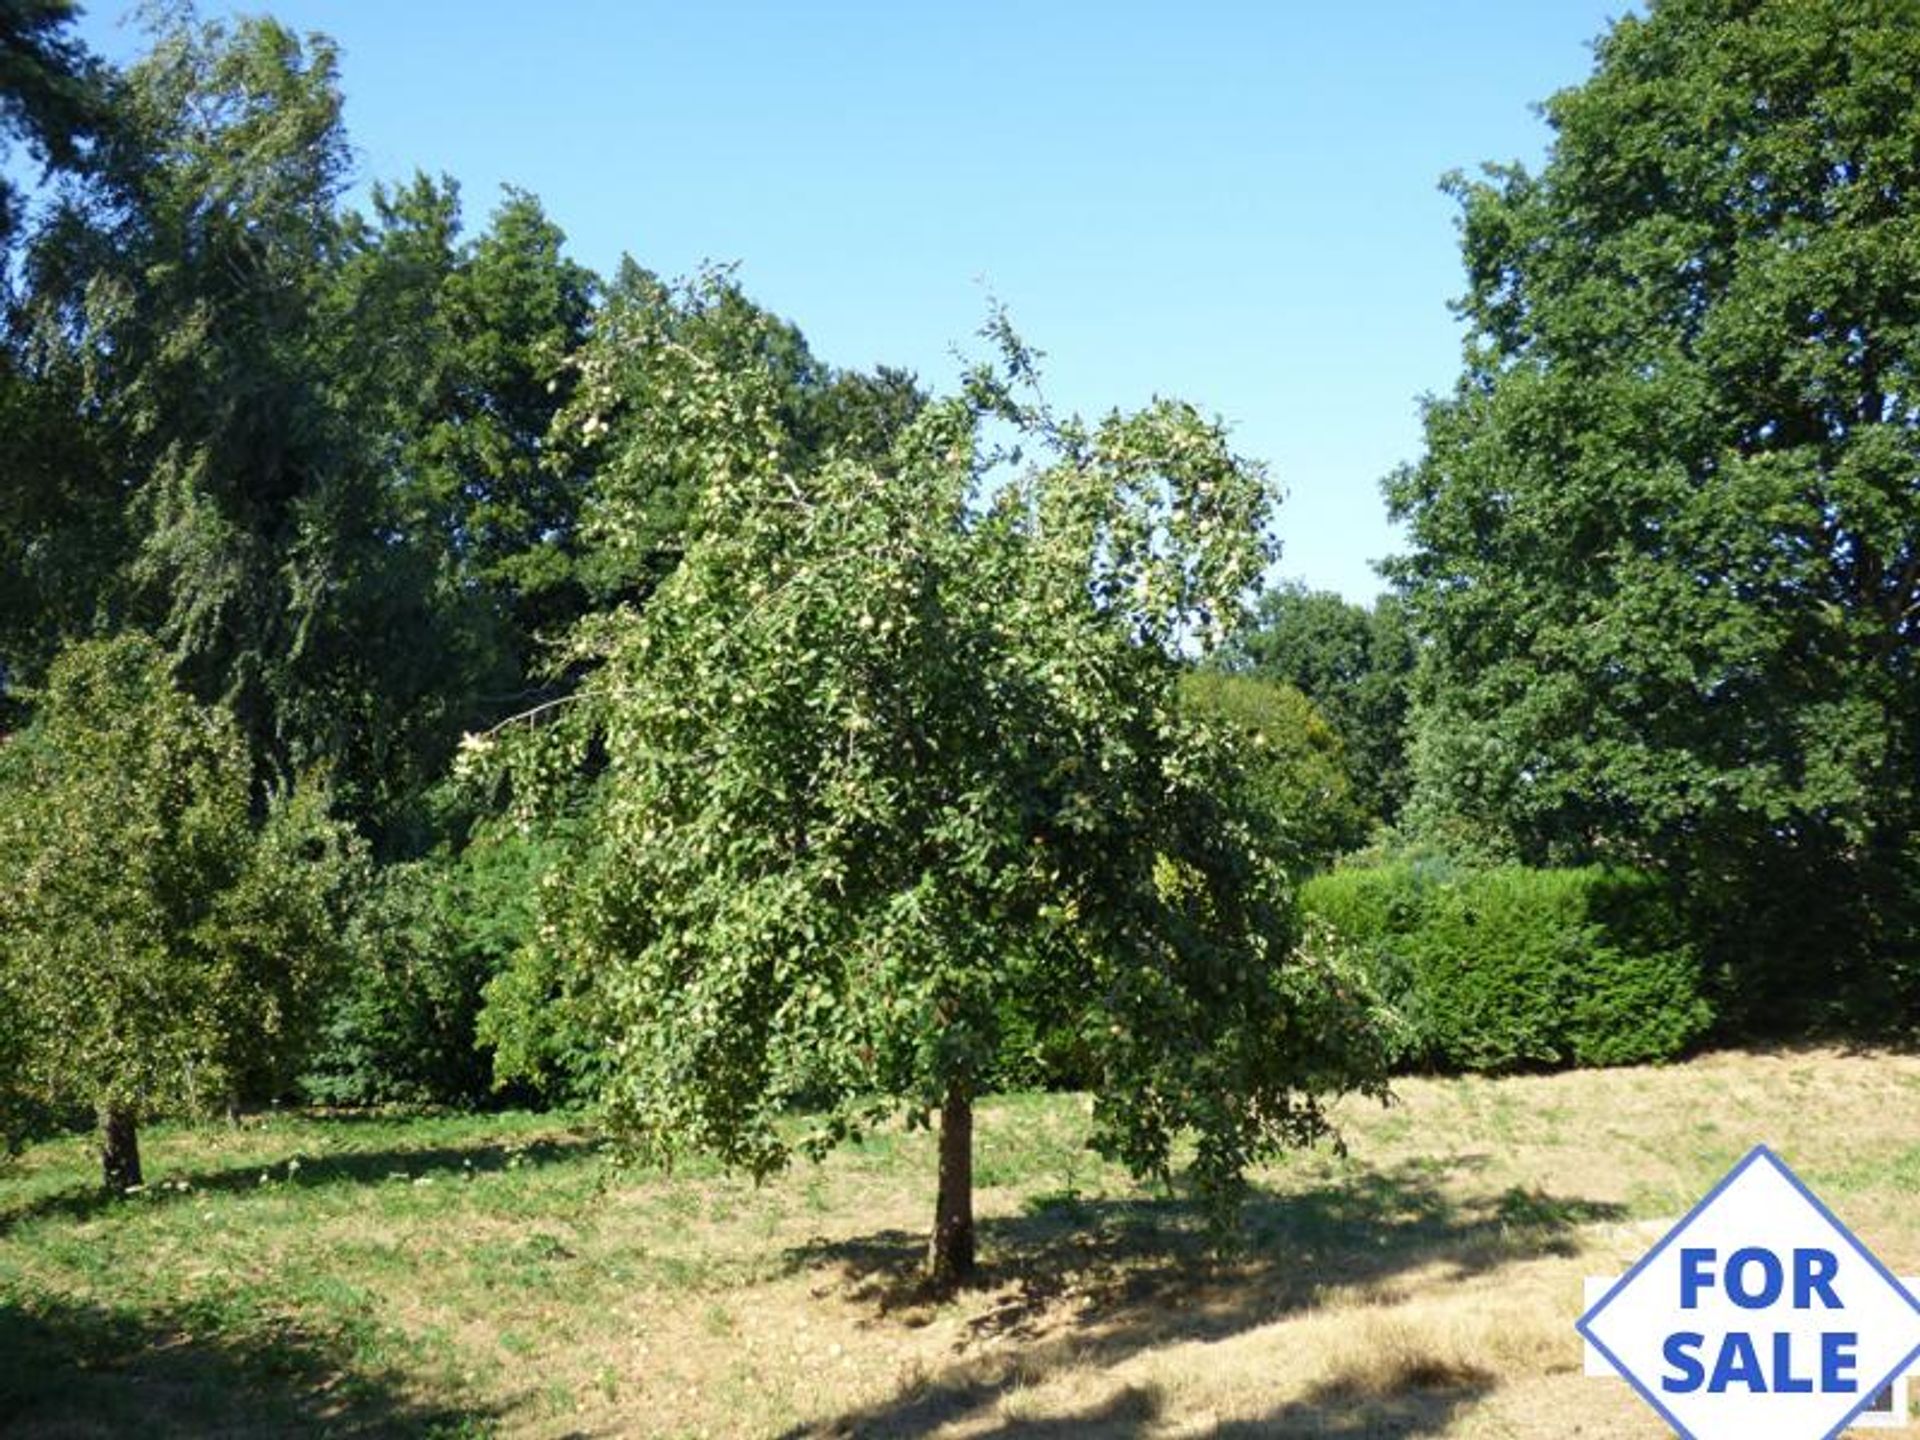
[{"x": 1758, "y": 1316}]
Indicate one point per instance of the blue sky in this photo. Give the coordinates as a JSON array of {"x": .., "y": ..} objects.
[{"x": 1235, "y": 203}]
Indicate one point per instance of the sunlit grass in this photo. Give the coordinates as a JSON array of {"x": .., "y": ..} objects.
[{"x": 496, "y": 1274}]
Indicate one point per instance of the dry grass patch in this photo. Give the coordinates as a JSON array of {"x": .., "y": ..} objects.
[{"x": 466, "y": 1276}]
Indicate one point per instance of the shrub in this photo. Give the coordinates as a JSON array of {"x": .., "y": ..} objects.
[
  {"x": 542, "y": 1014},
  {"x": 1643, "y": 996},
  {"x": 429, "y": 937},
  {"x": 401, "y": 1029},
  {"x": 1514, "y": 968},
  {"x": 545, "y": 1023},
  {"x": 1292, "y": 762}
]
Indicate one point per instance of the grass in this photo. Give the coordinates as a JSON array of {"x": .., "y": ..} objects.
[{"x": 456, "y": 1276}]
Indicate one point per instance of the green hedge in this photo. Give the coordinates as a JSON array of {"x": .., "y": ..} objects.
[{"x": 1514, "y": 968}]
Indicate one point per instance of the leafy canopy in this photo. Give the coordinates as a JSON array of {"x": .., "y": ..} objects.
[
  {"x": 1667, "y": 536},
  {"x": 897, "y": 750},
  {"x": 161, "y": 951}
]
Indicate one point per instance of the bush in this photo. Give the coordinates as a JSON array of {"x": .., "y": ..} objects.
[
  {"x": 542, "y": 1014},
  {"x": 429, "y": 937},
  {"x": 545, "y": 1023},
  {"x": 1644, "y": 996},
  {"x": 401, "y": 1029},
  {"x": 1514, "y": 968},
  {"x": 1293, "y": 763}
]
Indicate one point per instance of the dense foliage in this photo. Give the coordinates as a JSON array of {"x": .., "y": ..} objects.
[
  {"x": 163, "y": 950},
  {"x": 1510, "y": 968},
  {"x": 429, "y": 937},
  {"x": 1290, "y": 762},
  {"x": 897, "y": 750},
  {"x": 1354, "y": 663},
  {"x": 433, "y": 672},
  {"x": 1666, "y": 531}
]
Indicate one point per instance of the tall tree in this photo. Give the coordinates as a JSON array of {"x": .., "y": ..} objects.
[
  {"x": 520, "y": 310},
  {"x": 453, "y": 356},
  {"x": 1666, "y": 530},
  {"x": 58, "y": 520},
  {"x": 261, "y": 537},
  {"x": 457, "y": 352},
  {"x": 895, "y": 751},
  {"x": 50, "y": 93},
  {"x": 1355, "y": 664}
]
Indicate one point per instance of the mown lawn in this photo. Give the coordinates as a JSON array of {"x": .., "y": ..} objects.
[{"x": 472, "y": 1276}]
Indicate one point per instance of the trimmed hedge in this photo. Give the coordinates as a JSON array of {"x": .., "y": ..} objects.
[{"x": 1515, "y": 968}]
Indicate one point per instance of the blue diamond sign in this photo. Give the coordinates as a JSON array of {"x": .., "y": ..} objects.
[{"x": 1758, "y": 1316}]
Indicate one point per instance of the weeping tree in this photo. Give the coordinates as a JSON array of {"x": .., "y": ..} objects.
[
  {"x": 57, "y": 514},
  {"x": 238, "y": 420},
  {"x": 161, "y": 950},
  {"x": 895, "y": 755}
]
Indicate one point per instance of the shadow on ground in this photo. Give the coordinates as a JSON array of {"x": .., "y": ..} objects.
[
  {"x": 1329, "y": 1412},
  {"x": 75, "y": 1370},
  {"x": 83, "y": 1201},
  {"x": 1142, "y": 1274},
  {"x": 1332, "y": 1412}
]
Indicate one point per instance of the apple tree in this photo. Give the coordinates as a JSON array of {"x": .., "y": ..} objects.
[
  {"x": 896, "y": 752},
  {"x": 160, "y": 951}
]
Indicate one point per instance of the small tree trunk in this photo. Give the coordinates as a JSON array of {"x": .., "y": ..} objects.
[
  {"x": 119, "y": 1148},
  {"x": 950, "y": 1252}
]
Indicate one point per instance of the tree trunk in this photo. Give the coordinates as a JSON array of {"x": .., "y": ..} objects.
[
  {"x": 119, "y": 1148},
  {"x": 950, "y": 1253}
]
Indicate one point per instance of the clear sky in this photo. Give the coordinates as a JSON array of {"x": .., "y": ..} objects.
[{"x": 1234, "y": 203}]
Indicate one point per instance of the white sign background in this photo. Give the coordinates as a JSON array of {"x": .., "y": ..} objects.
[{"x": 1760, "y": 1204}]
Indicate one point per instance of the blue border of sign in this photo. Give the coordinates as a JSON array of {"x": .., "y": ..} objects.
[{"x": 1759, "y": 1152}]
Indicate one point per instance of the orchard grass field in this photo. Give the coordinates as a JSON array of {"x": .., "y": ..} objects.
[{"x": 475, "y": 1275}]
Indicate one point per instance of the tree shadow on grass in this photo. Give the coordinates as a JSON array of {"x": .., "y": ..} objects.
[
  {"x": 1334, "y": 1412},
  {"x": 78, "y": 1370},
  {"x": 300, "y": 1169},
  {"x": 1142, "y": 1274}
]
